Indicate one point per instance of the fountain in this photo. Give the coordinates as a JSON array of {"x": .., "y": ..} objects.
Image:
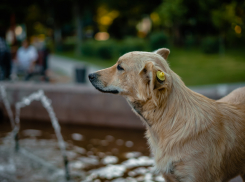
[
  {"x": 7, "y": 105},
  {"x": 39, "y": 95},
  {"x": 102, "y": 155}
]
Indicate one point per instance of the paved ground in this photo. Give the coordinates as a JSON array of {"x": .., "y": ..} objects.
[
  {"x": 237, "y": 179},
  {"x": 217, "y": 91},
  {"x": 64, "y": 66}
]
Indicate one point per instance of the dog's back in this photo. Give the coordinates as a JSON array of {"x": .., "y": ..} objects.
[{"x": 235, "y": 97}]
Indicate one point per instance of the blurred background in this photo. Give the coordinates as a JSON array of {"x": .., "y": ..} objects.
[
  {"x": 53, "y": 45},
  {"x": 206, "y": 39}
]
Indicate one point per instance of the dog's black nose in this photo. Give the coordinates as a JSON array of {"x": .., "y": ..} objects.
[{"x": 91, "y": 76}]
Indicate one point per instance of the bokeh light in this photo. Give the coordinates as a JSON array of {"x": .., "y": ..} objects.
[
  {"x": 238, "y": 29},
  {"x": 101, "y": 36},
  {"x": 18, "y": 30}
]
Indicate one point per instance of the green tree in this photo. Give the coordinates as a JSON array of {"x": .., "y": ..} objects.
[
  {"x": 229, "y": 20},
  {"x": 172, "y": 14}
]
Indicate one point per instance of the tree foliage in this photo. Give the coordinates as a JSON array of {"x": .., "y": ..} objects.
[
  {"x": 178, "y": 19},
  {"x": 182, "y": 18}
]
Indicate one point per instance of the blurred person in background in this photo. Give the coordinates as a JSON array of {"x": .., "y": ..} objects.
[
  {"x": 26, "y": 58},
  {"x": 42, "y": 61},
  {"x": 5, "y": 58},
  {"x": 45, "y": 54}
]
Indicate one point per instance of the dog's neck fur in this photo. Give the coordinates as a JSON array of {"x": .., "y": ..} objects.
[
  {"x": 177, "y": 107},
  {"x": 182, "y": 115}
]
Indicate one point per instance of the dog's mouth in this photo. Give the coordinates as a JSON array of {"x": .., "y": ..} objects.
[
  {"x": 106, "y": 91},
  {"x": 99, "y": 86}
]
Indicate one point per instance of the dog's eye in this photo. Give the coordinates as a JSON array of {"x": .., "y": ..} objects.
[{"x": 119, "y": 67}]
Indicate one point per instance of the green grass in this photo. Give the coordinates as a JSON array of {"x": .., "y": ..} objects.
[
  {"x": 196, "y": 68},
  {"x": 193, "y": 66}
]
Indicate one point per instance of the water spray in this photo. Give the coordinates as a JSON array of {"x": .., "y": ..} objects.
[
  {"x": 7, "y": 105},
  {"x": 38, "y": 96}
]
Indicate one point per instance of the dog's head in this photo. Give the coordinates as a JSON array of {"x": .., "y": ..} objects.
[{"x": 139, "y": 76}]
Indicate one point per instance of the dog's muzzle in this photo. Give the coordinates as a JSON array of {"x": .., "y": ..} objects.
[{"x": 93, "y": 77}]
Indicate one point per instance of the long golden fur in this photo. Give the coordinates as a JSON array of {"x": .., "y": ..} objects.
[{"x": 192, "y": 138}]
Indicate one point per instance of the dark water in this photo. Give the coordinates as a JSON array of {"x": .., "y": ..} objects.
[
  {"x": 95, "y": 154},
  {"x": 96, "y": 139}
]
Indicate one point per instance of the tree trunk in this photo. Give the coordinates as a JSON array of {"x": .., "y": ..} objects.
[
  {"x": 78, "y": 25},
  {"x": 57, "y": 38}
]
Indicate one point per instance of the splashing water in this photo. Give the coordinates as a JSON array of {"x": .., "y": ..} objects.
[
  {"x": 7, "y": 105},
  {"x": 39, "y": 95}
]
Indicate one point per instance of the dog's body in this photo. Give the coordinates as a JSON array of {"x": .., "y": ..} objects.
[
  {"x": 235, "y": 97},
  {"x": 193, "y": 138}
]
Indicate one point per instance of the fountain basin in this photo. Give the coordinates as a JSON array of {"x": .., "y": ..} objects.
[
  {"x": 82, "y": 104},
  {"x": 74, "y": 104}
]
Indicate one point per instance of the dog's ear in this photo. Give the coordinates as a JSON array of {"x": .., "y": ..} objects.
[
  {"x": 151, "y": 77},
  {"x": 164, "y": 52}
]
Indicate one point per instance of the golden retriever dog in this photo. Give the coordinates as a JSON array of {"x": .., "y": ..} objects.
[
  {"x": 235, "y": 97},
  {"x": 193, "y": 138}
]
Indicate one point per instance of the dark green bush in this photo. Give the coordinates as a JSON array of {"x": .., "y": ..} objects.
[
  {"x": 88, "y": 48},
  {"x": 210, "y": 45},
  {"x": 105, "y": 49},
  {"x": 68, "y": 46},
  {"x": 158, "y": 40},
  {"x": 101, "y": 49},
  {"x": 112, "y": 49},
  {"x": 190, "y": 41},
  {"x": 104, "y": 52},
  {"x": 50, "y": 44},
  {"x": 131, "y": 44}
]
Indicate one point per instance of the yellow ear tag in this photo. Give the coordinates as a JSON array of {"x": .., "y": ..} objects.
[{"x": 160, "y": 75}]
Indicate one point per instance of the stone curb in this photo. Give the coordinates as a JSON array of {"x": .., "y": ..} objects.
[{"x": 82, "y": 104}]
